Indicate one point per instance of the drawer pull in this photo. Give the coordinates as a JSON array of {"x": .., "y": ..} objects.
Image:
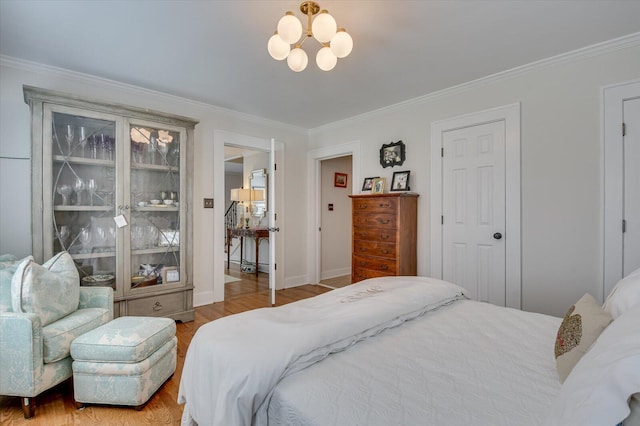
[
  {"x": 384, "y": 205},
  {"x": 362, "y": 206},
  {"x": 363, "y": 249},
  {"x": 157, "y": 307},
  {"x": 384, "y": 251},
  {"x": 363, "y": 263},
  {"x": 384, "y": 237},
  {"x": 384, "y": 267},
  {"x": 384, "y": 221}
]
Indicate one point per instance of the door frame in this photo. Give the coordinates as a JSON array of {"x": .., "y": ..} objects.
[
  {"x": 510, "y": 114},
  {"x": 612, "y": 162},
  {"x": 314, "y": 158},
  {"x": 222, "y": 138}
]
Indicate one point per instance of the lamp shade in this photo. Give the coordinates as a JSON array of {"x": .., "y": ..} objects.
[
  {"x": 324, "y": 27},
  {"x": 297, "y": 60},
  {"x": 289, "y": 28},
  {"x": 257, "y": 195},
  {"x": 341, "y": 43},
  {"x": 278, "y": 48},
  {"x": 326, "y": 59}
]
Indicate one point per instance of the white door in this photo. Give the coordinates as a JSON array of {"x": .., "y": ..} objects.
[
  {"x": 631, "y": 214},
  {"x": 273, "y": 230},
  {"x": 473, "y": 207}
]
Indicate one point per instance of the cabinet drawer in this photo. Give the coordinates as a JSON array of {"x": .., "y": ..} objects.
[
  {"x": 156, "y": 306},
  {"x": 370, "y": 248},
  {"x": 359, "y": 274},
  {"x": 380, "y": 220},
  {"x": 375, "y": 234},
  {"x": 377, "y": 205},
  {"x": 375, "y": 263}
]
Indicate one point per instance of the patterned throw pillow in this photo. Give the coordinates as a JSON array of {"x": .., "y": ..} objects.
[
  {"x": 51, "y": 291},
  {"x": 582, "y": 325}
]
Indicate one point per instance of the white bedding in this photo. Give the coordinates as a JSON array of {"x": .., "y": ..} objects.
[
  {"x": 233, "y": 363},
  {"x": 469, "y": 363}
]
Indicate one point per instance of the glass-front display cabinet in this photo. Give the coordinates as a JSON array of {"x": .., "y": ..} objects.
[{"x": 112, "y": 186}]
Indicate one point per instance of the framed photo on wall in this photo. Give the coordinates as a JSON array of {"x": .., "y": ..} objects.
[
  {"x": 400, "y": 181},
  {"x": 392, "y": 154},
  {"x": 340, "y": 180},
  {"x": 367, "y": 185},
  {"x": 378, "y": 185}
]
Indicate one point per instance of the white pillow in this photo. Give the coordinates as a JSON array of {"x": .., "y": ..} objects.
[
  {"x": 624, "y": 296},
  {"x": 598, "y": 389}
]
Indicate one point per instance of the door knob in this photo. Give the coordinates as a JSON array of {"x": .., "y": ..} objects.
[{"x": 497, "y": 235}]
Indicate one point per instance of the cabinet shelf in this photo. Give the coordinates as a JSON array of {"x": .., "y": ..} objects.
[
  {"x": 83, "y": 160},
  {"x": 155, "y": 250},
  {"x": 100, "y": 255},
  {"x": 153, "y": 167},
  {"x": 61, "y": 208}
]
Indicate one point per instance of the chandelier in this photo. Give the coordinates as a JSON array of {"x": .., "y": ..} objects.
[{"x": 336, "y": 42}]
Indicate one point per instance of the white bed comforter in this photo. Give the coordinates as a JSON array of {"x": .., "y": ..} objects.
[{"x": 233, "y": 363}]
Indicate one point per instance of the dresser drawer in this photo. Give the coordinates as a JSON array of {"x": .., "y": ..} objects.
[
  {"x": 375, "y": 234},
  {"x": 375, "y": 263},
  {"x": 374, "y": 205},
  {"x": 359, "y": 274},
  {"x": 155, "y": 306},
  {"x": 372, "y": 248},
  {"x": 379, "y": 220}
]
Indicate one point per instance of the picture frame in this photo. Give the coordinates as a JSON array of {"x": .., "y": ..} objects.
[
  {"x": 152, "y": 269},
  {"x": 340, "y": 180},
  {"x": 392, "y": 154},
  {"x": 367, "y": 185},
  {"x": 170, "y": 274},
  {"x": 400, "y": 181},
  {"x": 378, "y": 185}
]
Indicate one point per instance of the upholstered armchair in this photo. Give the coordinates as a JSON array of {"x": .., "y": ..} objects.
[{"x": 42, "y": 310}]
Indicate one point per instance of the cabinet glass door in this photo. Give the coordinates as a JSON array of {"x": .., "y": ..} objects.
[
  {"x": 156, "y": 218},
  {"x": 83, "y": 181}
]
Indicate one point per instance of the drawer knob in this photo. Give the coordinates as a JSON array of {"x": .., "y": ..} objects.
[
  {"x": 363, "y": 249},
  {"x": 157, "y": 306},
  {"x": 384, "y": 237},
  {"x": 384, "y": 205},
  {"x": 363, "y": 263},
  {"x": 383, "y": 221},
  {"x": 384, "y": 267},
  {"x": 385, "y": 251},
  {"x": 362, "y": 206}
]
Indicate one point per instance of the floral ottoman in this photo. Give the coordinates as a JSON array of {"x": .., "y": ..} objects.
[{"x": 124, "y": 361}]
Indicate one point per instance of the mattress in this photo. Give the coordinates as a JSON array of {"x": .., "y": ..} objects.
[{"x": 470, "y": 363}]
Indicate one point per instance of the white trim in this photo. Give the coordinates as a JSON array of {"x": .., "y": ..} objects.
[
  {"x": 612, "y": 179},
  {"x": 603, "y": 48},
  {"x": 313, "y": 201},
  {"x": 510, "y": 114},
  {"x": 333, "y": 273},
  {"x": 38, "y": 68}
]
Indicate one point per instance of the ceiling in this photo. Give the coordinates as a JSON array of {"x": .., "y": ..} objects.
[{"x": 215, "y": 51}]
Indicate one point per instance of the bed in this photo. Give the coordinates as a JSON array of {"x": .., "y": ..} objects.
[{"x": 406, "y": 351}]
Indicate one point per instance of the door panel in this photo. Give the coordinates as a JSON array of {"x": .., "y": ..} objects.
[
  {"x": 473, "y": 170},
  {"x": 631, "y": 214}
]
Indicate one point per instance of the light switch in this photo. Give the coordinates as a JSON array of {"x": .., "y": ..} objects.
[
  {"x": 331, "y": 207},
  {"x": 208, "y": 203}
]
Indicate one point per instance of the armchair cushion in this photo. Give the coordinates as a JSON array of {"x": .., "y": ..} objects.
[
  {"x": 51, "y": 291},
  {"x": 8, "y": 265}
]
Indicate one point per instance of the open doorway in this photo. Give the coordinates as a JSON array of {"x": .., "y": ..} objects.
[
  {"x": 335, "y": 221},
  {"x": 247, "y": 255}
]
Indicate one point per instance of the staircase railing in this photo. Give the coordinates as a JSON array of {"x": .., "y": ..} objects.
[{"x": 230, "y": 218}]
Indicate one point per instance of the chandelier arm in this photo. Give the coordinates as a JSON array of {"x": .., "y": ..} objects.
[{"x": 309, "y": 20}]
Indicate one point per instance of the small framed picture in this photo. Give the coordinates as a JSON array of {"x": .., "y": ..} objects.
[
  {"x": 392, "y": 154},
  {"x": 378, "y": 185},
  {"x": 367, "y": 185},
  {"x": 152, "y": 269},
  {"x": 400, "y": 181},
  {"x": 340, "y": 180},
  {"x": 170, "y": 274}
]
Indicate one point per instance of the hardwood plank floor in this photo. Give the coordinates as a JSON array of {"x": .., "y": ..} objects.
[{"x": 56, "y": 406}]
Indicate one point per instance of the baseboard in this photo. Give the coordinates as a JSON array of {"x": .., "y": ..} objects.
[
  {"x": 332, "y": 273},
  {"x": 296, "y": 281}
]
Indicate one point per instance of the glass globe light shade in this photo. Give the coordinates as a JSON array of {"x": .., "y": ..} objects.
[
  {"x": 325, "y": 59},
  {"x": 289, "y": 28},
  {"x": 324, "y": 27},
  {"x": 278, "y": 48},
  {"x": 297, "y": 60},
  {"x": 341, "y": 44}
]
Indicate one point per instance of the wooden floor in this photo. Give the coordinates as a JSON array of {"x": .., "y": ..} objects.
[{"x": 56, "y": 406}]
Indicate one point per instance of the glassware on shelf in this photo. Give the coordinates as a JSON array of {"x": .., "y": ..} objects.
[
  {"x": 153, "y": 148},
  {"x": 163, "y": 148},
  {"x": 85, "y": 239},
  {"x": 151, "y": 236},
  {"x": 107, "y": 144},
  {"x": 92, "y": 186},
  {"x": 65, "y": 191},
  {"x": 173, "y": 196},
  {"x": 63, "y": 234},
  {"x": 69, "y": 137},
  {"x": 93, "y": 145},
  {"x": 78, "y": 187},
  {"x": 175, "y": 154},
  {"x": 82, "y": 139}
]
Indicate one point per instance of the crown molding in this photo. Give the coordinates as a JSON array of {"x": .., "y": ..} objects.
[
  {"x": 606, "y": 47},
  {"x": 39, "y": 68}
]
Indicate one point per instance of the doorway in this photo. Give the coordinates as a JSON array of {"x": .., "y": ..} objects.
[
  {"x": 621, "y": 155},
  {"x": 475, "y": 203},
  {"x": 335, "y": 221}
]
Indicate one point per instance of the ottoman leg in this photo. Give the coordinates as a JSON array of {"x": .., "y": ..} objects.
[{"x": 28, "y": 407}]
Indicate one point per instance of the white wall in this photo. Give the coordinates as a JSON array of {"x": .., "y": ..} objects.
[
  {"x": 561, "y": 162},
  {"x": 15, "y": 234},
  {"x": 336, "y": 225}
]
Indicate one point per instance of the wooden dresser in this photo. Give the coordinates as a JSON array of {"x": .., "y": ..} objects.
[{"x": 383, "y": 235}]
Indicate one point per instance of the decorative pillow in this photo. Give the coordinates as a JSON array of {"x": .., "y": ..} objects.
[
  {"x": 598, "y": 391},
  {"x": 624, "y": 296},
  {"x": 8, "y": 265},
  {"x": 581, "y": 326},
  {"x": 50, "y": 291}
]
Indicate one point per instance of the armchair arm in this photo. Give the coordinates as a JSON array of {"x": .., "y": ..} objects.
[
  {"x": 20, "y": 353},
  {"x": 97, "y": 297}
]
